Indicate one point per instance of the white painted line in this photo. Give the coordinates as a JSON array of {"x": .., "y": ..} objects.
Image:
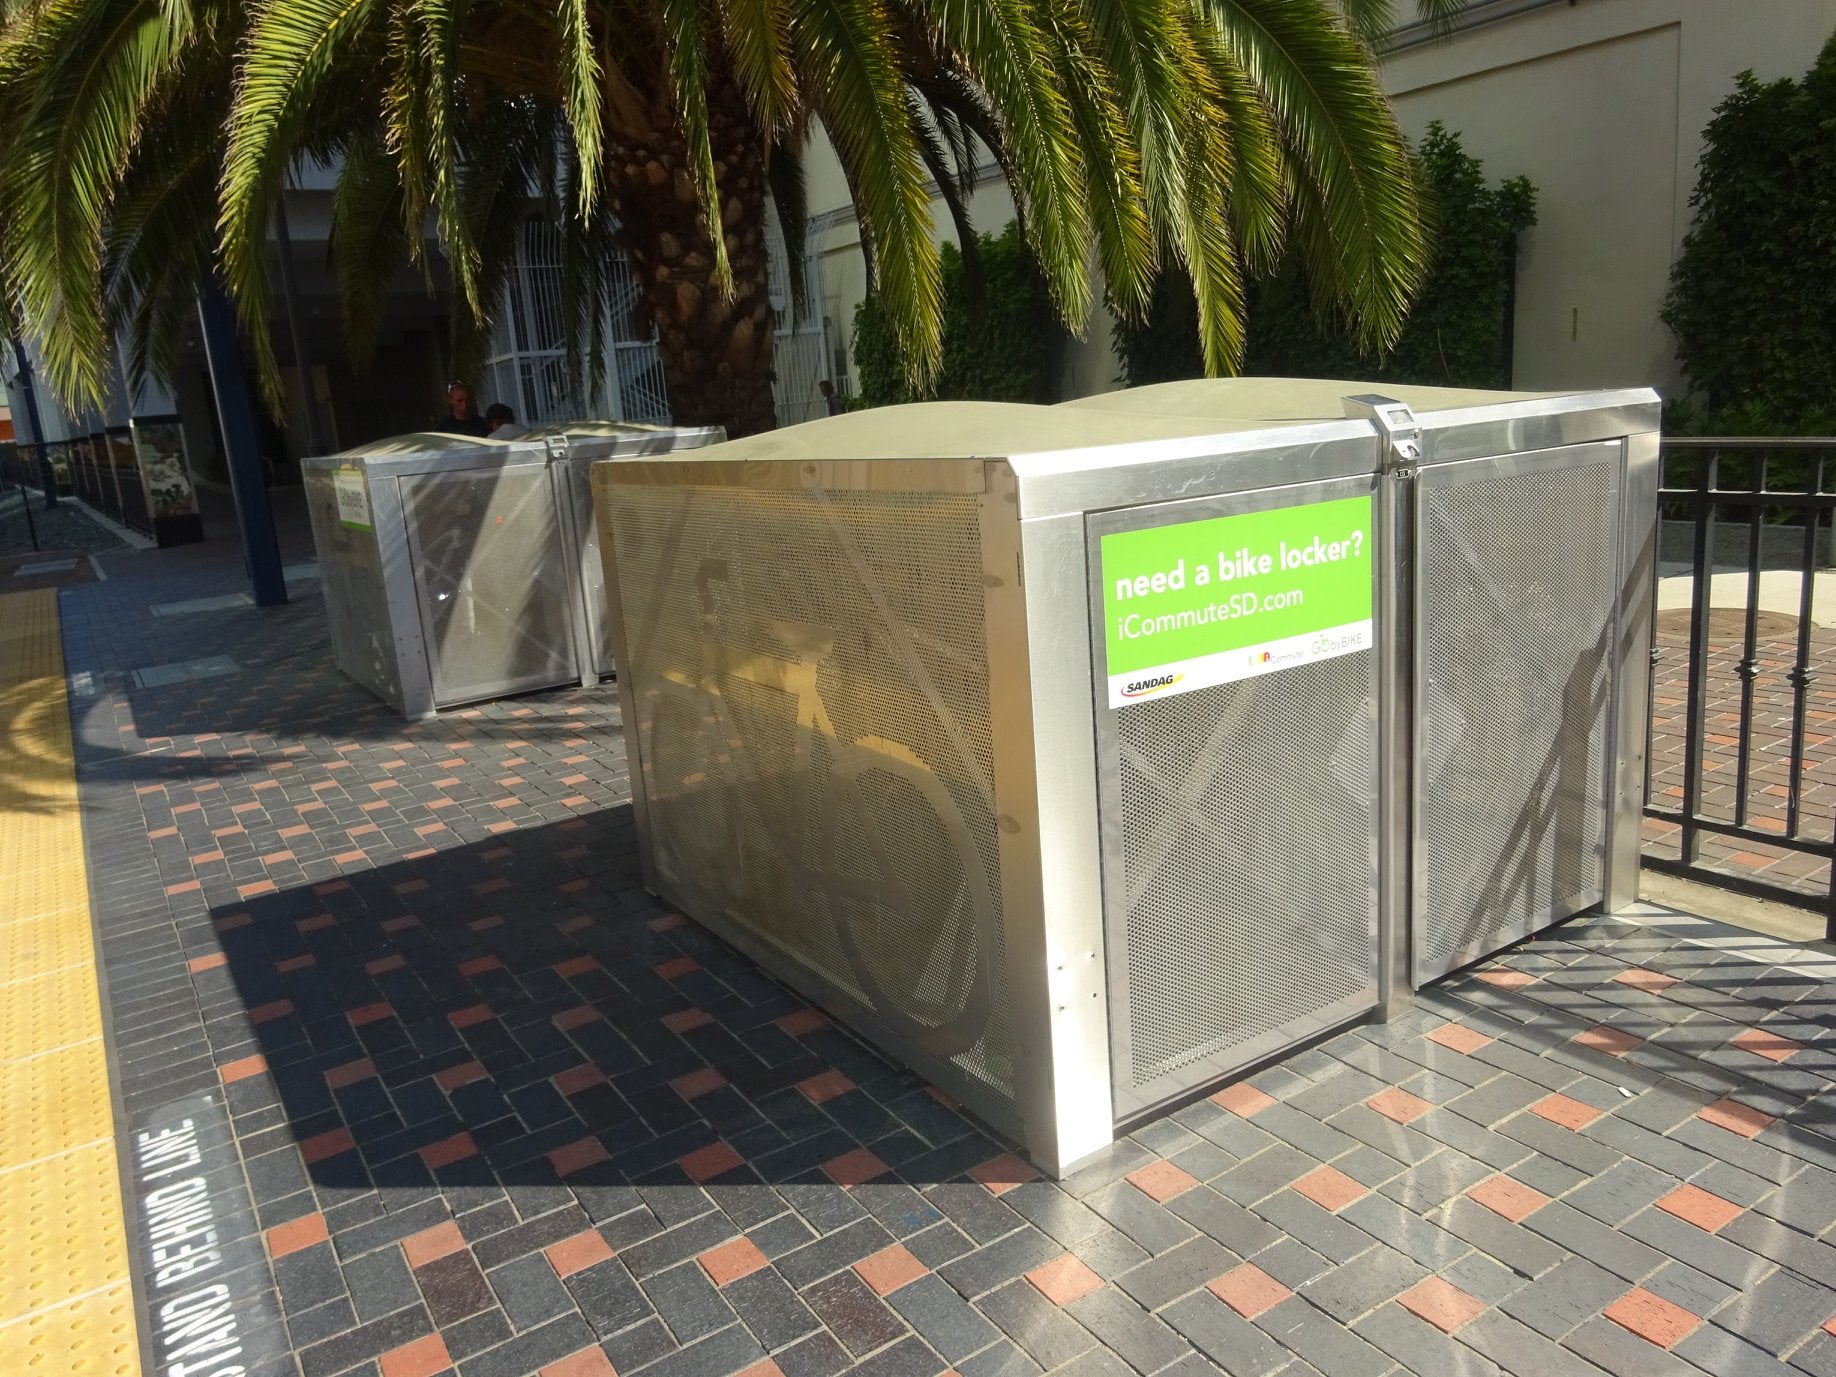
[
  {"x": 47, "y": 1051},
  {"x": 61, "y": 1152},
  {"x": 6, "y": 981},
  {"x": 223, "y": 602},
  {"x": 67, "y": 1300}
]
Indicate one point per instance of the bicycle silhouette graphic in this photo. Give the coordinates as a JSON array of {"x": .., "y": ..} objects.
[{"x": 767, "y": 803}]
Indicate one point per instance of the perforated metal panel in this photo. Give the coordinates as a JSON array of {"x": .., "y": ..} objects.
[
  {"x": 356, "y": 601},
  {"x": 811, "y": 679},
  {"x": 578, "y": 490},
  {"x": 1239, "y": 858},
  {"x": 1515, "y": 593},
  {"x": 491, "y": 577},
  {"x": 1250, "y": 902}
]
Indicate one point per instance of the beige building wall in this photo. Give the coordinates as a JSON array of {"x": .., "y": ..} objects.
[
  {"x": 1088, "y": 365},
  {"x": 1602, "y": 105}
]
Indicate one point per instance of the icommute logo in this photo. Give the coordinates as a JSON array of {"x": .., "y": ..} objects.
[{"x": 1141, "y": 688}]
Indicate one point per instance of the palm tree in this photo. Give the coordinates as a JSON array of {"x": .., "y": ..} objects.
[{"x": 1210, "y": 135}]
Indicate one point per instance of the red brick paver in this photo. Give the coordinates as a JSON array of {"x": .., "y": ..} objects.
[
  {"x": 1442, "y": 1304},
  {"x": 1242, "y": 1099},
  {"x": 449, "y": 1150},
  {"x": 1458, "y": 1037},
  {"x": 1610, "y": 1040},
  {"x": 1699, "y": 1207},
  {"x": 1652, "y": 1318},
  {"x": 1003, "y": 1173},
  {"x": 1768, "y": 1045},
  {"x": 578, "y": 1156},
  {"x": 704, "y": 1164},
  {"x": 1640, "y": 979},
  {"x": 803, "y": 1022},
  {"x": 854, "y": 1168},
  {"x": 731, "y": 1261},
  {"x": 1400, "y": 1105},
  {"x": 1064, "y": 1279},
  {"x": 422, "y": 1358},
  {"x": 576, "y": 1254},
  {"x": 588, "y": 1362},
  {"x": 1737, "y": 1118},
  {"x": 1510, "y": 1198},
  {"x": 889, "y": 1269},
  {"x": 296, "y": 1234},
  {"x": 432, "y": 1244},
  {"x": 1249, "y": 1290},
  {"x": 1330, "y": 1188},
  {"x": 1161, "y": 1181},
  {"x": 1569, "y": 1113},
  {"x": 825, "y": 1086},
  {"x": 697, "y": 1083}
]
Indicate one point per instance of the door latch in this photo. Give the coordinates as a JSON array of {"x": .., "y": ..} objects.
[{"x": 1395, "y": 422}]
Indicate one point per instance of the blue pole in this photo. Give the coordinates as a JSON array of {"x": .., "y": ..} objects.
[{"x": 241, "y": 447}]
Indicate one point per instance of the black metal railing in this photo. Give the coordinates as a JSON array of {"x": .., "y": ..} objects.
[
  {"x": 106, "y": 477},
  {"x": 22, "y": 466},
  {"x": 1743, "y": 783}
]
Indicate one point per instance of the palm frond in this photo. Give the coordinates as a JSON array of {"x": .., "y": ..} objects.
[
  {"x": 685, "y": 26},
  {"x": 1022, "y": 72},
  {"x": 368, "y": 243},
  {"x": 158, "y": 246},
  {"x": 293, "y": 50},
  {"x": 510, "y": 152},
  {"x": 1376, "y": 20},
  {"x": 1258, "y": 199},
  {"x": 1320, "y": 85},
  {"x": 852, "y": 76},
  {"x": 790, "y": 199},
  {"x": 437, "y": 26},
  {"x": 937, "y": 159},
  {"x": 1210, "y": 253},
  {"x": 757, "y": 37},
  {"x": 80, "y": 78},
  {"x": 589, "y": 248},
  {"x": 581, "y": 99},
  {"x": 1112, "y": 161}
]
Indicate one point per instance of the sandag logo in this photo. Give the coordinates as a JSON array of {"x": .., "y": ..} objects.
[{"x": 1141, "y": 688}]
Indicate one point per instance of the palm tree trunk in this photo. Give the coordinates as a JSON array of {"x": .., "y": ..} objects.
[{"x": 715, "y": 349}]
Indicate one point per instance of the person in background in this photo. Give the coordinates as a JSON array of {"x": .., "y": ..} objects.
[
  {"x": 461, "y": 417},
  {"x": 502, "y": 421},
  {"x": 830, "y": 402}
]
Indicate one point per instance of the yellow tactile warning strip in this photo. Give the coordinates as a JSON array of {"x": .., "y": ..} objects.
[{"x": 65, "y": 1303}]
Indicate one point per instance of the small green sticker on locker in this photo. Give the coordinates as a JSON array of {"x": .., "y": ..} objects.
[{"x": 353, "y": 499}]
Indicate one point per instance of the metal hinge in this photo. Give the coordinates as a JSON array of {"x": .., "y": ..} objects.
[{"x": 1401, "y": 432}]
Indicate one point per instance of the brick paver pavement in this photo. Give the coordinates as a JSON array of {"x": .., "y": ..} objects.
[{"x": 417, "y": 1078}]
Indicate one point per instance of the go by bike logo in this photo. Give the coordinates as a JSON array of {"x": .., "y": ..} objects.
[{"x": 1142, "y": 688}]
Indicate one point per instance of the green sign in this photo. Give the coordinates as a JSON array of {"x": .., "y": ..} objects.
[{"x": 1209, "y": 602}]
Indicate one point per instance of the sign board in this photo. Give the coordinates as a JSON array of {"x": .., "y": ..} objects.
[
  {"x": 1209, "y": 602},
  {"x": 353, "y": 499}
]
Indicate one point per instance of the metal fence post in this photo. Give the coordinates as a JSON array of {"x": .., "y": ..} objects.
[
  {"x": 1696, "y": 713},
  {"x": 1742, "y": 718},
  {"x": 46, "y": 471}
]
